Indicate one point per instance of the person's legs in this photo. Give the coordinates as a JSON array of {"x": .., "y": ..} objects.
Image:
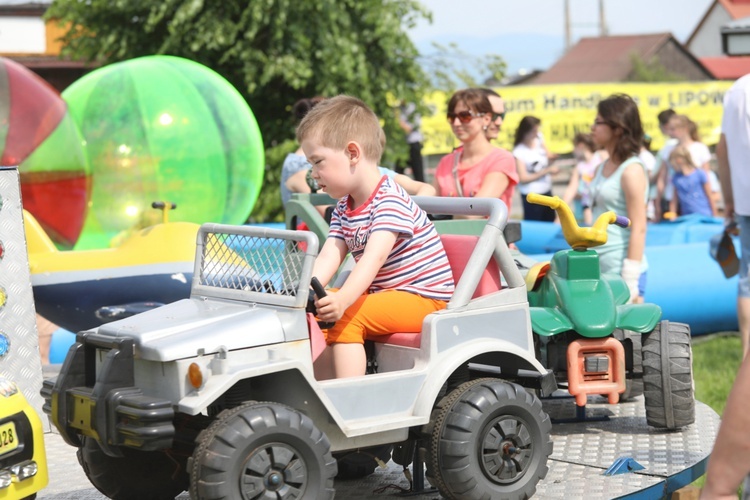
[
  {"x": 349, "y": 360},
  {"x": 743, "y": 318},
  {"x": 374, "y": 314},
  {"x": 743, "y": 286},
  {"x": 532, "y": 211},
  {"x": 415, "y": 161}
]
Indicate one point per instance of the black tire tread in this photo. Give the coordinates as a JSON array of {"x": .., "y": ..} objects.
[
  {"x": 215, "y": 444},
  {"x": 668, "y": 376},
  {"x": 458, "y": 480},
  {"x": 139, "y": 474}
]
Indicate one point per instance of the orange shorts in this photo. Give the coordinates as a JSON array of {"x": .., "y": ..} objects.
[{"x": 382, "y": 313}]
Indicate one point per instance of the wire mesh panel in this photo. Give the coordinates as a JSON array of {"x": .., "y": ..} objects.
[{"x": 255, "y": 264}]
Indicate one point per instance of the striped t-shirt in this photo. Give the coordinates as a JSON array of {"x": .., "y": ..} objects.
[{"x": 417, "y": 263}]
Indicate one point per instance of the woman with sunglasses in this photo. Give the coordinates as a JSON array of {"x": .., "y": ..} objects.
[
  {"x": 621, "y": 185},
  {"x": 476, "y": 168}
]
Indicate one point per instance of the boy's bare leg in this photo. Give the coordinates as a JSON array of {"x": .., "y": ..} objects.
[
  {"x": 323, "y": 366},
  {"x": 349, "y": 360}
]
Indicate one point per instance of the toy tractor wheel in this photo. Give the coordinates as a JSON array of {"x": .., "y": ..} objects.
[
  {"x": 148, "y": 475},
  {"x": 668, "y": 376},
  {"x": 632, "y": 342},
  {"x": 488, "y": 439},
  {"x": 262, "y": 450}
]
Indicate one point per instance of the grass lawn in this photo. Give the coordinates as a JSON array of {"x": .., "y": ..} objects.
[{"x": 716, "y": 359}]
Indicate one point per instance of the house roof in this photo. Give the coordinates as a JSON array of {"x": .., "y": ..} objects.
[
  {"x": 23, "y": 7},
  {"x": 49, "y": 62},
  {"x": 735, "y": 8},
  {"x": 727, "y": 68},
  {"x": 605, "y": 59}
]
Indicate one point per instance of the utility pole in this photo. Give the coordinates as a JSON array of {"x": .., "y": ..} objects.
[
  {"x": 603, "y": 31},
  {"x": 567, "y": 25}
]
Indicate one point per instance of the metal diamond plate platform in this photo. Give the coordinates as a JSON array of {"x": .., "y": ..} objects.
[
  {"x": 582, "y": 452},
  {"x": 22, "y": 364}
]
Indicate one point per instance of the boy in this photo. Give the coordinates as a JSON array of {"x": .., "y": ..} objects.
[{"x": 401, "y": 272}]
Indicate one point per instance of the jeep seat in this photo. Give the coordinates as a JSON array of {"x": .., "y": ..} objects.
[{"x": 458, "y": 249}]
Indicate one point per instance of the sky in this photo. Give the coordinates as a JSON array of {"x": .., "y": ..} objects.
[{"x": 530, "y": 34}]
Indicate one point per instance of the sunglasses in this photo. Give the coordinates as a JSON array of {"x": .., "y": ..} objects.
[
  {"x": 463, "y": 116},
  {"x": 495, "y": 116}
]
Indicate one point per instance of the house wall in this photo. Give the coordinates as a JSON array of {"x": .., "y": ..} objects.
[
  {"x": 22, "y": 35},
  {"x": 674, "y": 60},
  {"x": 706, "y": 42},
  {"x": 53, "y": 34}
]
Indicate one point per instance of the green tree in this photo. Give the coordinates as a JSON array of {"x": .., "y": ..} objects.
[
  {"x": 451, "y": 68},
  {"x": 273, "y": 51}
]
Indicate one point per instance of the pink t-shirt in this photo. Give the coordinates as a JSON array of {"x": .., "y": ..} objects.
[{"x": 499, "y": 160}]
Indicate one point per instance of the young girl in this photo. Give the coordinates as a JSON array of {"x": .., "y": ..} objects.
[
  {"x": 691, "y": 184},
  {"x": 587, "y": 159}
]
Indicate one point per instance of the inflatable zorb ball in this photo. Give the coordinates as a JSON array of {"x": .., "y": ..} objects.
[
  {"x": 38, "y": 135},
  {"x": 162, "y": 128}
]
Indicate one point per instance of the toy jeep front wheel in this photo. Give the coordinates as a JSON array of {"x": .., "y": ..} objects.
[
  {"x": 496, "y": 428},
  {"x": 146, "y": 475},
  {"x": 262, "y": 450},
  {"x": 668, "y": 376}
]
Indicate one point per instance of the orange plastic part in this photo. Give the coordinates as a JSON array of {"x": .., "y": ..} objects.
[{"x": 582, "y": 383}]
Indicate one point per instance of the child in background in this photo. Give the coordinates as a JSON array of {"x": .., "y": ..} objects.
[
  {"x": 587, "y": 159},
  {"x": 401, "y": 273},
  {"x": 691, "y": 184}
]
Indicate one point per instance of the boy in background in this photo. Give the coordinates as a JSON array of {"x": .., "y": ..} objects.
[{"x": 401, "y": 273}]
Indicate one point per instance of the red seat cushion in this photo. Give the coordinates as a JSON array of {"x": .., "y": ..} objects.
[
  {"x": 402, "y": 339},
  {"x": 458, "y": 248}
]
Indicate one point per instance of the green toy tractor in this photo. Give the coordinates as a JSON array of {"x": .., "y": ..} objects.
[{"x": 587, "y": 332}]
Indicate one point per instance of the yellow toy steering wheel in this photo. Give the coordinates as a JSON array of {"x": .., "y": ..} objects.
[{"x": 576, "y": 236}]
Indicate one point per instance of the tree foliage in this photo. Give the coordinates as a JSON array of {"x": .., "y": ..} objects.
[
  {"x": 451, "y": 68},
  {"x": 273, "y": 51}
]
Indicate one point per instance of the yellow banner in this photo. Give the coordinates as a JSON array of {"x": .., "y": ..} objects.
[{"x": 571, "y": 108}]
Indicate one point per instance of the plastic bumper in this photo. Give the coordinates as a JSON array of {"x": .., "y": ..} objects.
[{"x": 106, "y": 406}]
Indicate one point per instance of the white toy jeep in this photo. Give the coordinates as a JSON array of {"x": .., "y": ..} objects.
[{"x": 216, "y": 395}]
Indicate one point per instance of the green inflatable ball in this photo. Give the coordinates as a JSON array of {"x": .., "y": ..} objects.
[{"x": 163, "y": 128}]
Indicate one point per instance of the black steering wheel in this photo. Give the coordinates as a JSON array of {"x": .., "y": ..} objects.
[{"x": 320, "y": 292}]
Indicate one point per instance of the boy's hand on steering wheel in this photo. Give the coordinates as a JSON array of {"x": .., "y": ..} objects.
[{"x": 331, "y": 307}]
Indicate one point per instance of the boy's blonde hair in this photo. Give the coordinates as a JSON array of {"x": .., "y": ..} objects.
[
  {"x": 338, "y": 120},
  {"x": 684, "y": 153}
]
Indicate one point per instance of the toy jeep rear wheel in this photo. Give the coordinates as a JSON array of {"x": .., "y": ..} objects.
[
  {"x": 147, "y": 475},
  {"x": 668, "y": 376},
  {"x": 262, "y": 450},
  {"x": 488, "y": 439}
]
